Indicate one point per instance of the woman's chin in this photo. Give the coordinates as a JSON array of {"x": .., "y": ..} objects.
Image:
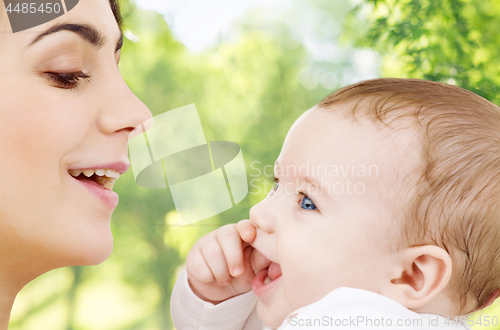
[
  {"x": 101, "y": 254},
  {"x": 98, "y": 258},
  {"x": 93, "y": 252}
]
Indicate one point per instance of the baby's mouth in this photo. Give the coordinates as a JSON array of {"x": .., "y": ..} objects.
[
  {"x": 273, "y": 272},
  {"x": 265, "y": 277}
]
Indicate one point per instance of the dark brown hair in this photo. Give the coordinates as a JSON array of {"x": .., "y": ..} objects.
[
  {"x": 115, "y": 7},
  {"x": 457, "y": 201}
]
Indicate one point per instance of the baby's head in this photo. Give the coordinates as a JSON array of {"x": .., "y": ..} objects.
[{"x": 391, "y": 186}]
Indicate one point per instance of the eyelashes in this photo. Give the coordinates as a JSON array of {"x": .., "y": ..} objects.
[
  {"x": 68, "y": 80},
  {"x": 276, "y": 182},
  {"x": 304, "y": 201},
  {"x": 275, "y": 187}
]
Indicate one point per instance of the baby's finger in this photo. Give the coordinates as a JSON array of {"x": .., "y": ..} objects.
[
  {"x": 214, "y": 257},
  {"x": 230, "y": 242},
  {"x": 258, "y": 261},
  {"x": 247, "y": 231},
  {"x": 197, "y": 267},
  {"x": 243, "y": 283}
]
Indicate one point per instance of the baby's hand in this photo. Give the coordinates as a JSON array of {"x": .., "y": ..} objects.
[{"x": 218, "y": 266}]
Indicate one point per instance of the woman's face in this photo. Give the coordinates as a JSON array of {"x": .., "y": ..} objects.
[{"x": 53, "y": 120}]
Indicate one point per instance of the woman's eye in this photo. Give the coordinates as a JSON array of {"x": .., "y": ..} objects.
[
  {"x": 68, "y": 80},
  {"x": 307, "y": 204}
]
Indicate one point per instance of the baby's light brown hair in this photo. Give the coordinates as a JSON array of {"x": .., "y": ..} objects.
[{"x": 457, "y": 201}]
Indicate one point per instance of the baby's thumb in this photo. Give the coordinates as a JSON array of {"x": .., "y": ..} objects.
[{"x": 247, "y": 230}]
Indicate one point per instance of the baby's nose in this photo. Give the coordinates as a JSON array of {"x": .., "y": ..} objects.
[{"x": 262, "y": 217}]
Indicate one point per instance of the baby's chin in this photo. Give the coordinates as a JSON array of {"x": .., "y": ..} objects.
[{"x": 272, "y": 317}]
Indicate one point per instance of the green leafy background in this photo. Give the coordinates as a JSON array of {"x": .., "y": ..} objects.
[{"x": 249, "y": 87}]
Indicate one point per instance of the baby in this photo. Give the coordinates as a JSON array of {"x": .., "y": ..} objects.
[{"x": 385, "y": 214}]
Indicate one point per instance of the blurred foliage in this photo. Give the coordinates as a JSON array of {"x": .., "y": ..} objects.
[
  {"x": 249, "y": 87},
  {"x": 452, "y": 41}
]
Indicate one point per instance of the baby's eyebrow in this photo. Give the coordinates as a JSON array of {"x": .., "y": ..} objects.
[{"x": 314, "y": 182}]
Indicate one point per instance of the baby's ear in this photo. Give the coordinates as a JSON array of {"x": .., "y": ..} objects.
[{"x": 420, "y": 273}]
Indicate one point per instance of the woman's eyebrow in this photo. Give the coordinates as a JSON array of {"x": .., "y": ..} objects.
[{"x": 86, "y": 31}]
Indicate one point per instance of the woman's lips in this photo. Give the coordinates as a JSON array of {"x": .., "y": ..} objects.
[{"x": 109, "y": 197}]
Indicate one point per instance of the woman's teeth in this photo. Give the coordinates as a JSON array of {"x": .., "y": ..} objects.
[
  {"x": 106, "y": 182},
  {"x": 267, "y": 280},
  {"x": 101, "y": 172},
  {"x": 106, "y": 177}
]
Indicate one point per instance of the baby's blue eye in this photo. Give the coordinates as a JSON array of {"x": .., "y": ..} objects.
[
  {"x": 274, "y": 188},
  {"x": 307, "y": 204}
]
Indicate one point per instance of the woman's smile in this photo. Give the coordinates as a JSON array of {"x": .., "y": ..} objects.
[{"x": 99, "y": 180}]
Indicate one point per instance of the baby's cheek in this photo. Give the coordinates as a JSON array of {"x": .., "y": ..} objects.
[
  {"x": 296, "y": 281},
  {"x": 306, "y": 282},
  {"x": 296, "y": 295}
]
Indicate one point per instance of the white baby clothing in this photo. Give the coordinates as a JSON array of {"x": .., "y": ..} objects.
[{"x": 342, "y": 308}]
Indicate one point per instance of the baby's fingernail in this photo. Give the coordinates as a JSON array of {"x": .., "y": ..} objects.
[
  {"x": 247, "y": 234},
  {"x": 237, "y": 271},
  {"x": 225, "y": 282}
]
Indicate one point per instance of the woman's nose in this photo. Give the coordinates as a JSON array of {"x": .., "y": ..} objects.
[
  {"x": 123, "y": 110},
  {"x": 261, "y": 216}
]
